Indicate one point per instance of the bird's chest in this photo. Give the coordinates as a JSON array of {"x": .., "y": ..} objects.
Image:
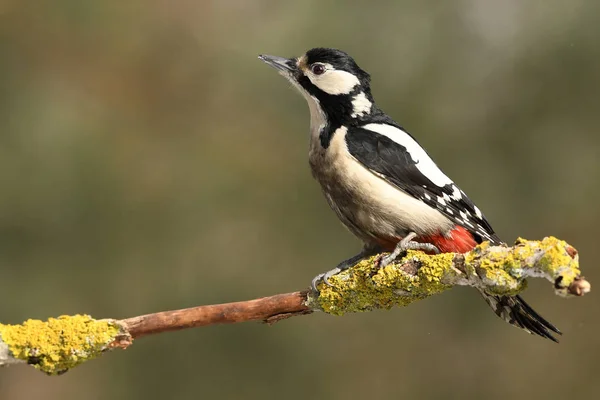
[
  {"x": 365, "y": 202},
  {"x": 329, "y": 166},
  {"x": 344, "y": 183}
]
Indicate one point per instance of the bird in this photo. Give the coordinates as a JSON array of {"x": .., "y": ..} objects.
[{"x": 380, "y": 182}]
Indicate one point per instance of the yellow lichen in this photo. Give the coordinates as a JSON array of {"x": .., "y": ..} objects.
[
  {"x": 496, "y": 269},
  {"x": 366, "y": 286},
  {"x": 504, "y": 270},
  {"x": 501, "y": 270},
  {"x": 558, "y": 264},
  {"x": 56, "y": 345}
]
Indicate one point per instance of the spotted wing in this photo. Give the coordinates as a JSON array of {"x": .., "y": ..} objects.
[{"x": 394, "y": 155}]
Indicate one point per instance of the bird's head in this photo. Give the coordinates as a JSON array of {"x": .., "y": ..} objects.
[{"x": 331, "y": 79}]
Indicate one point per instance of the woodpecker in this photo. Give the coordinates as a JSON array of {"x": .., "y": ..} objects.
[{"x": 380, "y": 182}]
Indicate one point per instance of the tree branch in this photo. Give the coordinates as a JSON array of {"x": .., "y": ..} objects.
[
  {"x": 268, "y": 309},
  {"x": 56, "y": 345}
]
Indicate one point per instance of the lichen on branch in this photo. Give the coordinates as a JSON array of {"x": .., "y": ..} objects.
[
  {"x": 56, "y": 345},
  {"x": 497, "y": 269}
]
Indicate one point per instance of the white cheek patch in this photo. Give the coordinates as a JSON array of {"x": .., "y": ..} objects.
[
  {"x": 334, "y": 82},
  {"x": 360, "y": 105},
  {"x": 423, "y": 162}
]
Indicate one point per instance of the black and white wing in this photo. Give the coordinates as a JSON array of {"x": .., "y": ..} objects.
[{"x": 395, "y": 155}]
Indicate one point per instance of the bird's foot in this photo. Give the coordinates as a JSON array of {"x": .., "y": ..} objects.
[
  {"x": 407, "y": 243},
  {"x": 324, "y": 277},
  {"x": 344, "y": 265}
]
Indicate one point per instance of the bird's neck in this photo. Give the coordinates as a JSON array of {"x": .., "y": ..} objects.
[{"x": 328, "y": 113}]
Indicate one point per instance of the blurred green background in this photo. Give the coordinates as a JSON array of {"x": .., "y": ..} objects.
[{"x": 149, "y": 161}]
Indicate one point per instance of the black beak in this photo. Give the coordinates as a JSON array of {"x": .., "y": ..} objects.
[{"x": 279, "y": 63}]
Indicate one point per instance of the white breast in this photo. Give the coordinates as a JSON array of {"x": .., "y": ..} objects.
[{"x": 367, "y": 200}]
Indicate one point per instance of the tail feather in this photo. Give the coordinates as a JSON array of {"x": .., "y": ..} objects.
[{"x": 515, "y": 311}]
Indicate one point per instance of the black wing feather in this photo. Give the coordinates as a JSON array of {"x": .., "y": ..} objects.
[{"x": 394, "y": 163}]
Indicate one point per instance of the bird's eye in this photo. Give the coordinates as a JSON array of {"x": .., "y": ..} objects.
[{"x": 317, "y": 69}]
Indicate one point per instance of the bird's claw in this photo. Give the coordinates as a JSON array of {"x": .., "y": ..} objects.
[
  {"x": 329, "y": 274},
  {"x": 315, "y": 282},
  {"x": 407, "y": 243},
  {"x": 324, "y": 277},
  {"x": 344, "y": 265}
]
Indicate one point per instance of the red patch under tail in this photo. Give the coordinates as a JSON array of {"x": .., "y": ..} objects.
[{"x": 458, "y": 240}]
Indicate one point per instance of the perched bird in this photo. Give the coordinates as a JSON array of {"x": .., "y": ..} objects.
[{"x": 380, "y": 182}]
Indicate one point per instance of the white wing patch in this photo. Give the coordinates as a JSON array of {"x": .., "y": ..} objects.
[
  {"x": 450, "y": 200},
  {"x": 424, "y": 163}
]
